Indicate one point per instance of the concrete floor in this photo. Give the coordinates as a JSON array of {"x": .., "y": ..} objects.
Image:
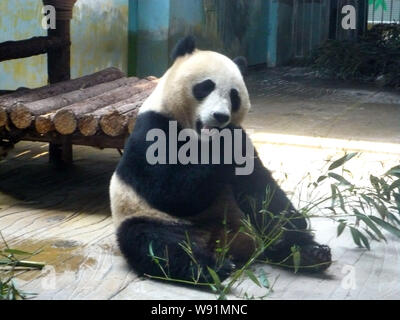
[
  {"x": 297, "y": 123},
  {"x": 291, "y": 101}
]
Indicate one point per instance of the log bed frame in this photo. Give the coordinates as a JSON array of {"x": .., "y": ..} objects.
[{"x": 97, "y": 110}]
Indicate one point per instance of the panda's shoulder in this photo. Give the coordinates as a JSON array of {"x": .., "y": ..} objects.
[
  {"x": 134, "y": 162},
  {"x": 150, "y": 120}
]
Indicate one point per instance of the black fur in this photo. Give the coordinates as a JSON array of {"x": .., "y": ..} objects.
[
  {"x": 203, "y": 89},
  {"x": 185, "y": 46},
  {"x": 171, "y": 188},
  {"x": 137, "y": 236},
  {"x": 235, "y": 100},
  {"x": 242, "y": 64},
  {"x": 250, "y": 193},
  {"x": 186, "y": 190}
]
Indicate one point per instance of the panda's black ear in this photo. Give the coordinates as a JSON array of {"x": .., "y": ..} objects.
[
  {"x": 241, "y": 62},
  {"x": 184, "y": 46}
]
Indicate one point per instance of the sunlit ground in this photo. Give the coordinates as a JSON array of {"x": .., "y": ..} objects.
[
  {"x": 75, "y": 210},
  {"x": 297, "y": 162},
  {"x": 294, "y": 158}
]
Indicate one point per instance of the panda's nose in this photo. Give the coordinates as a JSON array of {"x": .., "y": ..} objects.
[{"x": 221, "y": 117}]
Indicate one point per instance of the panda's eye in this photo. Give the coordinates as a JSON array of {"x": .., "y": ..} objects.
[
  {"x": 203, "y": 89},
  {"x": 235, "y": 100}
]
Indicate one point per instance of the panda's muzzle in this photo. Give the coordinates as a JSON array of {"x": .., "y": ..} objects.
[
  {"x": 215, "y": 125},
  {"x": 221, "y": 118}
]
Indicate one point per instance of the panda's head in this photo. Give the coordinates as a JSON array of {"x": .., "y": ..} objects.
[{"x": 202, "y": 89}]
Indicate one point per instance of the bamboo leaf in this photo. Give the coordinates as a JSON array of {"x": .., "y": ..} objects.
[
  {"x": 375, "y": 183},
  {"x": 214, "y": 276},
  {"x": 321, "y": 178},
  {"x": 339, "y": 178},
  {"x": 381, "y": 208},
  {"x": 18, "y": 252},
  {"x": 387, "y": 226},
  {"x": 152, "y": 255},
  {"x": 364, "y": 240},
  {"x": 151, "y": 248},
  {"x": 340, "y": 228},
  {"x": 356, "y": 236},
  {"x": 395, "y": 185},
  {"x": 341, "y": 200},
  {"x": 393, "y": 218},
  {"x": 252, "y": 277},
  {"x": 372, "y": 236},
  {"x": 342, "y": 161},
  {"x": 334, "y": 194},
  {"x": 370, "y": 224},
  {"x": 367, "y": 199},
  {"x": 397, "y": 199},
  {"x": 263, "y": 279},
  {"x": 395, "y": 171},
  {"x": 296, "y": 258}
]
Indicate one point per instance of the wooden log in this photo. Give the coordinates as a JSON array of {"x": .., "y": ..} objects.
[
  {"x": 22, "y": 114},
  {"x": 112, "y": 119},
  {"x": 3, "y": 111},
  {"x": 88, "y": 123},
  {"x": 8, "y": 94},
  {"x": 66, "y": 119},
  {"x": 66, "y": 116},
  {"x": 113, "y": 123},
  {"x": 116, "y": 122},
  {"x": 106, "y": 75},
  {"x": 26, "y": 48},
  {"x": 44, "y": 123},
  {"x": 132, "y": 121},
  {"x": 132, "y": 113}
]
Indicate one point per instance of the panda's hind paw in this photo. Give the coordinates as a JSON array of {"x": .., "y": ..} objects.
[{"x": 315, "y": 258}]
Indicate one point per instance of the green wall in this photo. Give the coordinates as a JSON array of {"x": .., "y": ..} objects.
[
  {"x": 270, "y": 32},
  {"x": 232, "y": 27},
  {"x": 99, "y": 33}
]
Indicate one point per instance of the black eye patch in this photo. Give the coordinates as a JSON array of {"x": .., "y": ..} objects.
[
  {"x": 235, "y": 100},
  {"x": 203, "y": 89}
]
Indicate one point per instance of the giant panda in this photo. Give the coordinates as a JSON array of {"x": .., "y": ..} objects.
[{"x": 157, "y": 207}]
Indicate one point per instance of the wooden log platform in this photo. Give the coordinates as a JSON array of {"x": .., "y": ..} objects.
[
  {"x": 8, "y": 101},
  {"x": 95, "y": 110}
]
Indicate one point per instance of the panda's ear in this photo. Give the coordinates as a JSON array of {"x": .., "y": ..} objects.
[
  {"x": 241, "y": 62},
  {"x": 184, "y": 46}
]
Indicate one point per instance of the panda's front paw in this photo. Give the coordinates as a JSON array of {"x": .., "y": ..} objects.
[
  {"x": 315, "y": 258},
  {"x": 226, "y": 269},
  {"x": 223, "y": 271}
]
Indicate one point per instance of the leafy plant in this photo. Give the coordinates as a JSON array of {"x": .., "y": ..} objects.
[
  {"x": 11, "y": 261},
  {"x": 354, "y": 208},
  {"x": 378, "y": 3},
  {"x": 374, "y": 57},
  {"x": 364, "y": 211}
]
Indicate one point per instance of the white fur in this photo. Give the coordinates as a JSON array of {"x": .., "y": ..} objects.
[
  {"x": 173, "y": 95},
  {"x": 126, "y": 203}
]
